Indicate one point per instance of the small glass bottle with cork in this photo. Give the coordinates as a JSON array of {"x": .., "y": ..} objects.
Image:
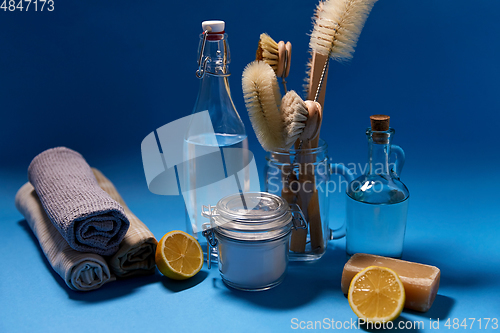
[{"x": 377, "y": 202}]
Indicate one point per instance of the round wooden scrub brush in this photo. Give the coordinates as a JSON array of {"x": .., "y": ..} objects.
[
  {"x": 294, "y": 112},
  {"x": 277, "y": 55},
  {"x": 277, "y": 124}
]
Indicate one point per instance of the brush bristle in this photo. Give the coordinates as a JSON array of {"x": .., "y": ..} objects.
[
  {"x": 338, "y": 25},
  {"x": 268, "y": 51},
  {"x": 307, "y": 79},
  {"x": 294, "y": 113},
  {"x": 262, "y": 99}
]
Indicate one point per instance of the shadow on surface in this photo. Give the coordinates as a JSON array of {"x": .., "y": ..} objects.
[
  {"x": 440, "y": 309},
  {"x": 177, "y": 286},
  {"x": 108, "y": 291},
  {"x": 112, "y": 290},
  {"x": 304, "y": 282},
  {"x": 454, "y": 265}
]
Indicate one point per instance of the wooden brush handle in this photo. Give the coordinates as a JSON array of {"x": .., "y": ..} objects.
[
  {"x": 317, "y": 64},
  {"x": 306, "y": 179},
  {"x": 309, "y": 202},
  {"x": 281, "y": 59},
  {"x": 298, "y": 237},
  {"x": 315, "y": 226},
  {"x": 306, "y": 184}
]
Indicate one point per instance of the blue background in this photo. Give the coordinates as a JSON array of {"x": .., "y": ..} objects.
[{"x": 98, "y": 76}]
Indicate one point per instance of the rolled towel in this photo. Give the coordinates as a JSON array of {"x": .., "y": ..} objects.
[
  {"x": 136, "y": 254},
  {"x": 80, "y": 271},
  {"x": 84, "y": 214}
]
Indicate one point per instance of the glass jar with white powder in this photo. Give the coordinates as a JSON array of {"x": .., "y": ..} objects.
[{"x": 251, "y": 232}]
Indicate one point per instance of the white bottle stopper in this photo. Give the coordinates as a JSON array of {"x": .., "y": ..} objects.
[{"x": 213, "y": 26}]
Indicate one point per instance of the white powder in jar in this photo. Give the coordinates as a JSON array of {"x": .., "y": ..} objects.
[{"x": 253, "y": 265}]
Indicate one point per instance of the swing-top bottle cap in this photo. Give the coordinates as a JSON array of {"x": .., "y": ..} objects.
[{"x": 213, "y": 26}]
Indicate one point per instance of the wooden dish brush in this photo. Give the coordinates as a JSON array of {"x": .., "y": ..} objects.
[
  {"x": 337, "y": 26},
  {"x": 277, "y": 55}
]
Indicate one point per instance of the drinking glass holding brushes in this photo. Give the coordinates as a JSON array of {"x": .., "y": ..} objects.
[{"x": 303, "y": 176}]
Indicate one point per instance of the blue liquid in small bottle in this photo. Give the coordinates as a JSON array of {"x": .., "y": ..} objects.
[
  {"x": 376, "y": 228},
  {"x": 377, "y": 202}
]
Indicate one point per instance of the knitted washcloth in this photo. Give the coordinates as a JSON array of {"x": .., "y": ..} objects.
[
  {"x": 84, "y": 214},
  {"x": 136, "y": 255},
  {"x": 81, "y": 271}
]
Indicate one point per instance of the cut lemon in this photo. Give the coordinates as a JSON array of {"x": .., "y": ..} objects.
[
  {"x": 178, "y": 255},
  {"x": 376, "y": 294}
]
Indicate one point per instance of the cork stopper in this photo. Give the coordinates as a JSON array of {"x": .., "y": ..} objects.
[{"x": 380, "y": 123}]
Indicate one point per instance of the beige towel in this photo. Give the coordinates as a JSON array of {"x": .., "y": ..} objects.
[
  {"x": 136, "y": 253},
  {"x": 81, "y": 271}
]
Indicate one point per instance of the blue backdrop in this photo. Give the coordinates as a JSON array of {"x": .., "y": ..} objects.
[{"x": 98, "y": 76}]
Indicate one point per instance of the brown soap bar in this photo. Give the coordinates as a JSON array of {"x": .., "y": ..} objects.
[{"x": 421, "y": 282}]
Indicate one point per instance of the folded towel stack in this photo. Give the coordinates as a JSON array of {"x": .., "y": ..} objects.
[
  {"x": 84, "y": 214},
  {"x": 75, "y": 212}
]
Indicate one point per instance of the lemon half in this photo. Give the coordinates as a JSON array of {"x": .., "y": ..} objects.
[
  {"x": 376, "y": 294},
  {"x": 178, "y": 255}
]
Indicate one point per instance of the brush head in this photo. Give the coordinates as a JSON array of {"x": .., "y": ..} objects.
[
  {"x": 309, "y": 68},
  {"x": 262, "y": 99},
  {"x": 294, "y": 113},
  {"x": 267, "y": 51},
  {"x": 277, "y": 55},
  {"x": 277, "y": 122},
  {"x": 337, "y": 26}
]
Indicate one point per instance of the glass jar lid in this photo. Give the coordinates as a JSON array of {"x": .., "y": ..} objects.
[{"x": 254, "y": 216}]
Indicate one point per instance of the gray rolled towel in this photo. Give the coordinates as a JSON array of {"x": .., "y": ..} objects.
[{"x": 85, "y": 215}]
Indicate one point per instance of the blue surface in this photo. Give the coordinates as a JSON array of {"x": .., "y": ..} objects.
[{"x": 99, "y": 76}]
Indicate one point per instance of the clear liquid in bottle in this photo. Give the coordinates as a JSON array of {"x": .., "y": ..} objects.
[{"x": 215, "y": 178}]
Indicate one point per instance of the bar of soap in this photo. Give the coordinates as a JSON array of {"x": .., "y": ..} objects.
[{"x": 421, "y": 282}]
